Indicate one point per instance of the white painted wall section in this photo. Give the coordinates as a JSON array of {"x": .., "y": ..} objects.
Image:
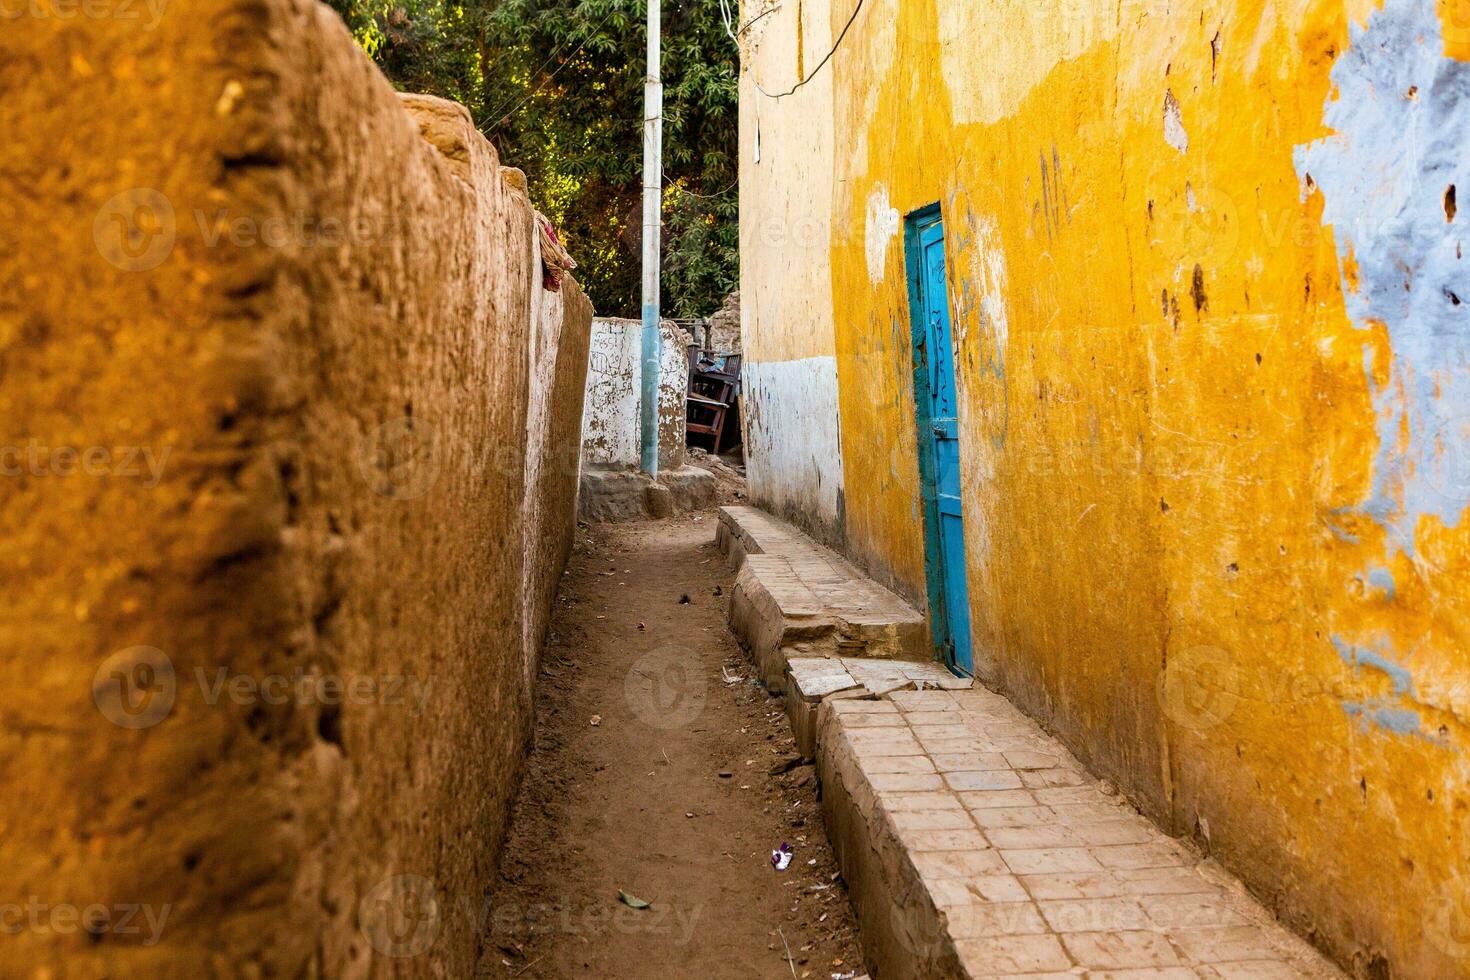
[
  {"x": 614, "y": 374},
  {"x": 793, "y": 450}
]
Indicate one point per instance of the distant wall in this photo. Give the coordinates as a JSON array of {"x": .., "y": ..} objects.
[
  {"x": 289, "y": 478},
  {"x": 610, "y": 433}
]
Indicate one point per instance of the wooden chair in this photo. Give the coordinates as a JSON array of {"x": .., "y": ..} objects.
[{"x": 714, "y": 384}]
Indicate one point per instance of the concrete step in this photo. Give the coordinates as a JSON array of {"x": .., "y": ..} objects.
[
  {"x": 974, "y": 844},
  {"x": 622, "y": 495},
  {"x": 795, "y": 598}
]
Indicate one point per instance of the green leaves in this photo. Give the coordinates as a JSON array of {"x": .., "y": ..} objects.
[{"x": 557, "y": 86}]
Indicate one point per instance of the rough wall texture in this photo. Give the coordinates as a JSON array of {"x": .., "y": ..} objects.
[
  {"x": 724, "y": 326},
  {"x": 610, "y": 434},
  {"x": 270, "y": 609},
  {"x": 1206, "y": 283}
]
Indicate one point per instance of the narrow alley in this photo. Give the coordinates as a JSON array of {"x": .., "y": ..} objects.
[
  {"x": 662, "y": 770},
  {"x": 857, "y": 490}
]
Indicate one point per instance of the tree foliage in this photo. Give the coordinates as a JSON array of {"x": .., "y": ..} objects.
[{"x": 557, "y": 86}]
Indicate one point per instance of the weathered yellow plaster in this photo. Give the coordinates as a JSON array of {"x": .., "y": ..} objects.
[{"x": 1168, "y": 433}]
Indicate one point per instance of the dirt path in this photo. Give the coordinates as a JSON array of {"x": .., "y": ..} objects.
[{"x": 636, "y": 723}]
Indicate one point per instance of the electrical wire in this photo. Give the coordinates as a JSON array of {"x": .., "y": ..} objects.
[{"x": 725, "y": 13}]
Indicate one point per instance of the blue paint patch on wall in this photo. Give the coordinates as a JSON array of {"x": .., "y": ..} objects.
[
  {"x": 1401, "y": 122},
  {"x": 1385, "y": 712},
  {"x": 1381, "y": 578},
  {"x": 1400, "y": 721},
  {"x": 1357, "y": 657}
]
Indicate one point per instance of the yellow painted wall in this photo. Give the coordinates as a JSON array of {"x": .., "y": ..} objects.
[{"x": 1215, "y": 411}]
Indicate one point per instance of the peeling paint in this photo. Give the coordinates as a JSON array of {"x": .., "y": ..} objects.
[
  {"x": 793, "y": 443},
  {"x": 881, "y": 227},
  {"x": 610, "y": 426},
  {"x": 1399, "y": 120},
  {"x": 1174, "y": 133}
]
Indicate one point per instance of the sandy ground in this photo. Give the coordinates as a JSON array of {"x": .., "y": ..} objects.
[{"x": 655, "y": 772}]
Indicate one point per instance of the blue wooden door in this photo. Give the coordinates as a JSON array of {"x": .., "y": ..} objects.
[{"x": 938, "y": 419}]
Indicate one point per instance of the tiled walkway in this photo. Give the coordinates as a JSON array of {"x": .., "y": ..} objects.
[
  {"x": 972, "y": 843},
  {"x": 1002, "y": 857}
]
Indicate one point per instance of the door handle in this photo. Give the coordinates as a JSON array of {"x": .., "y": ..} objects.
[{"x": 938, "y": 429}]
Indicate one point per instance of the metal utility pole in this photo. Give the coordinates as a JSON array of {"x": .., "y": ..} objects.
[{"x": 653, "y": 177}]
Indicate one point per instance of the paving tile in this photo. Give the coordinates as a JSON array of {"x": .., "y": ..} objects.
[
  {"x": 932, "y": 820},
  {"x": 994, "y": 799},
  {"x": 1163, "y": 881},
  {"x": 1108, "y": 832},
  {"x": 1252, "y": 970},
  {"x": 885, "y": 782},
  {"x": 1205, "y": 911},
  {"x": 994, "y": 919},
  {"x": 1033, "y": 760},
  {"x": 879, "y": 742},
  {"x": 1049, "y": 860},
  {"x": 1095, "y": 915},
  {"x": 1012, "y": 816},
  {"x": 977, "y": 889},
  {"x": 872, "y": 719},
  {"x": 1120, "y": 950},
  {"x": 1062, "y": 795},
  {"x": 1072, "y": 884},
  {"x": 937, "y": 865},
  {"x": 1224, "y": 945},
  {"x": 972, "y": 762},
  {"x": 1049, "y": 778},
  {"x": 891, "y": 764},
  {"x": 920, "y": 719},
  {"x": 956, "y": 746},
  {"x": 1110, "y": 810},
  {"x": 904, "y": 802},
  {"x": 944, "y": 840},
  {"x": 1039, "y": 835},
  {"x": 963, "y": 780},
  {"x": 858, "y": 706},
  {"x": 1146, "y": 973},
  {"x": 1156, "y": 854},
  {"x": 914, "y": 701},
  {"x": 936, "y": 732},
  {"x": 1001, "y": 955}
]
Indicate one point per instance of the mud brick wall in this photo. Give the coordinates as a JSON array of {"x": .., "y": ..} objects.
[{"x": 283, "y": 406}]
